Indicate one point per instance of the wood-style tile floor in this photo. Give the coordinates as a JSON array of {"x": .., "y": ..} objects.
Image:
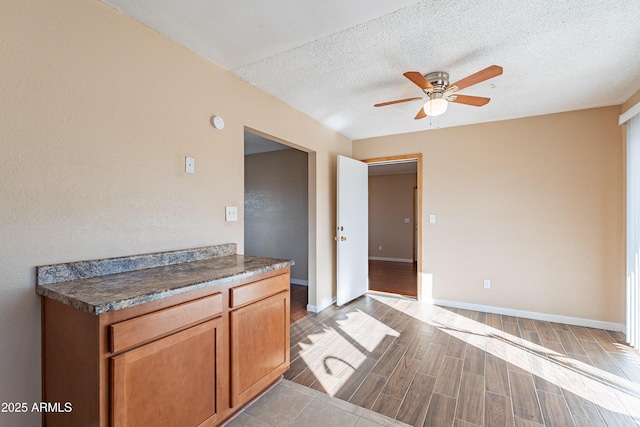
[{"x": 434, "y": 366}]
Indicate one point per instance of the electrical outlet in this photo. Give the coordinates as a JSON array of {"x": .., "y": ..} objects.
[
  {"x": 380, "y": 247},
  {"x": 487, "y": 283},
  {"x": 189, "y": 165}
]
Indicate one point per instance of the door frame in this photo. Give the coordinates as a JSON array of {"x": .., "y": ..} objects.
[{"x": 418, "y": 158}]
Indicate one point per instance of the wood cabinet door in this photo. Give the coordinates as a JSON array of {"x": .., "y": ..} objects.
[
  {"x": 170, "y": 381},
  {"x": 259, "y": 346}
]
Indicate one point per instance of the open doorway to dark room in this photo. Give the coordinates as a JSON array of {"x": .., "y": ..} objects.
[{"x": 276, "y": 217}]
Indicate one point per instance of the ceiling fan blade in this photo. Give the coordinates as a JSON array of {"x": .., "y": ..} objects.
[
  {"x": 418, "y": 79},
  {"x": 476, "y": 101},
  {"x": 480, "y": 76},
  {"x": 382, "y": 104},
  {"x": 421, "y": 114}
]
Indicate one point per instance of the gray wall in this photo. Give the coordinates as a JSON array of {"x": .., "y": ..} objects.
[{"x": 276, "y": 207}]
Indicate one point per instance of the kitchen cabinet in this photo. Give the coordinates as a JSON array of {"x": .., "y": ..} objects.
[
  {"x": 171, "y": 381},
  {"x": 257, "y": 361},
  {"x": 190, "y": 359}
]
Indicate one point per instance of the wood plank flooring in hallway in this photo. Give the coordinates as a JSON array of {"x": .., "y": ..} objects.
[
  {"x": 427, "y": 365},
  {"x": 393, "y": 277},
  {"x": 299, "y": 301}
]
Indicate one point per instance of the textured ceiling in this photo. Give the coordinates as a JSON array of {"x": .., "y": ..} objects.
[
  {"x": 334, "y": 59},
  {"x": 254, "y": 144}
]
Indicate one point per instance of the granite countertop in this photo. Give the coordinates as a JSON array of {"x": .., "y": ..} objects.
[{"x": 114, "y": 291}]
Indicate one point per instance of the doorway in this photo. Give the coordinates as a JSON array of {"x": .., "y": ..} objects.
[
  {"x": 395, "y": 217},
  {"x": 276, "y": 209}
]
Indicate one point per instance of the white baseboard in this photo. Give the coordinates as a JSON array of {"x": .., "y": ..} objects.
[
  {"x": 299, "y": 282},
  {"x": 598, "y": 324},
  {"x": 390, "y": 295},
  {"x": 325, "y": 303},
  {"x": 380, "y": 258}
]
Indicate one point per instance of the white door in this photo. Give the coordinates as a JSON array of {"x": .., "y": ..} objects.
[{"x": 352, "y": 229}]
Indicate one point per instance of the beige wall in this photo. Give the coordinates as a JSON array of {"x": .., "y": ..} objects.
[
  {"x": 275, "y": 209},
  {"x": 390, "y": 202},
  {"x": 96, "y": 116},
  {"x": 534, "y": 205}
]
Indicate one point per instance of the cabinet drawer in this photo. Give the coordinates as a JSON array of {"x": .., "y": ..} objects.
[
  {"x": 144, "y": 328},
  {"x": 258, "y": 290}
]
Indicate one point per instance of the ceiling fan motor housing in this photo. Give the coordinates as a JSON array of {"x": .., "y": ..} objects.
[{"x": 439, "y": 80}]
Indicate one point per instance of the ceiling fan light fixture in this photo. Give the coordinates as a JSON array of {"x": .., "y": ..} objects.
[{"x": 435, "y": 107}]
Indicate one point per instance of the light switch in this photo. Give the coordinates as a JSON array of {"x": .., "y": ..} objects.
[
  {"x": 432, "y": 219},
  {"x": 407, "y": 220},
  {"x": 189, "y": 165},
  {"x": 231, "y": 213}
]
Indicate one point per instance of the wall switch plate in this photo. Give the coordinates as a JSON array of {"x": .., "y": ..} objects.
[
  {"x": 189, "y": 165},
  {"x": 432, "y": 219},
  {"x": 487, "y": 283},
  {"x": 231, "y": 213}
]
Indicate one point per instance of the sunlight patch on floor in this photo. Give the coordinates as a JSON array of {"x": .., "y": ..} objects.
[
  {"x": 333, "y": 369},
  {"x": 603, "y": 388}
]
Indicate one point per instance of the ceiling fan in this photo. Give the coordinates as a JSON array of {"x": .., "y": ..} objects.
[{"x": 439, "y": 92}]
